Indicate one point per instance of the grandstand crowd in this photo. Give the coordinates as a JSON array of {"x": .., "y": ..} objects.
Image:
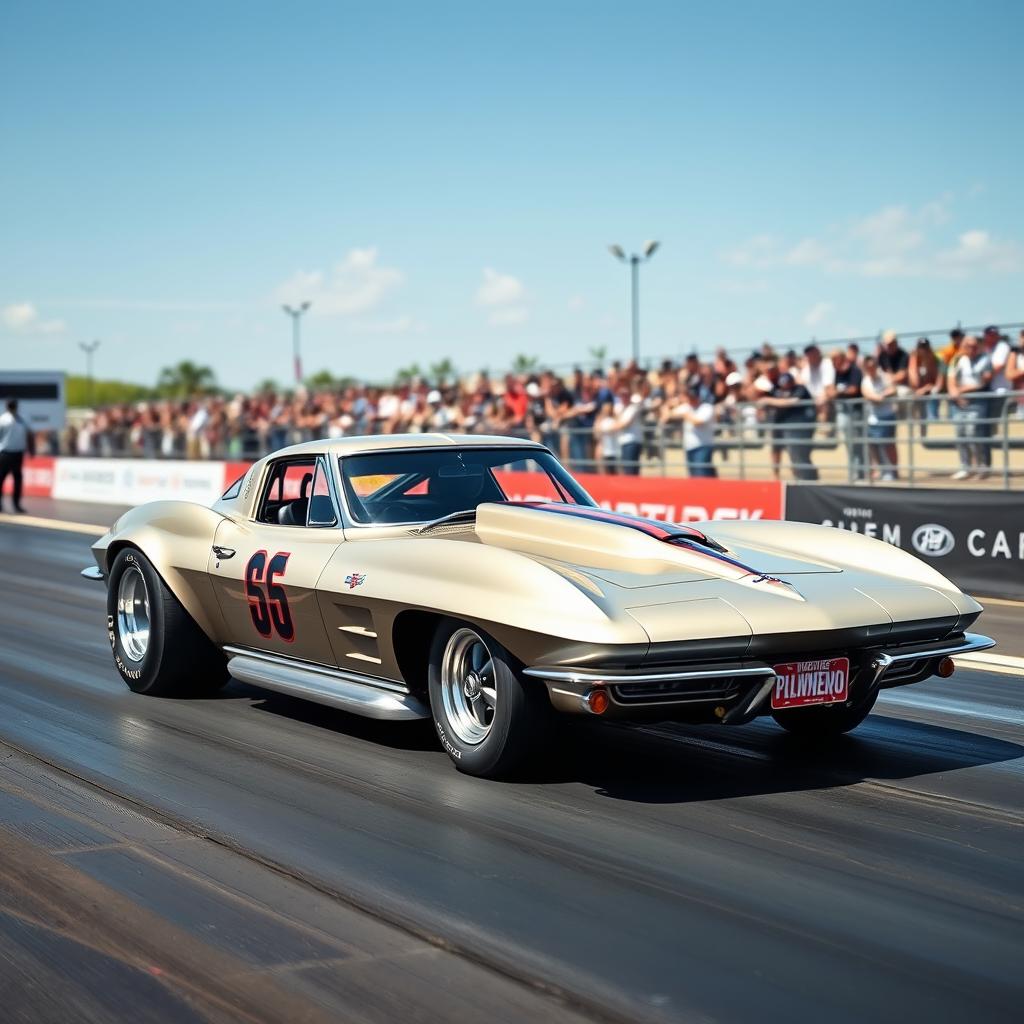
[{"x": 612, "y": 420}]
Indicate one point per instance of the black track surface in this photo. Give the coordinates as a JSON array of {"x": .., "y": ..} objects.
[{"x": 252, "y": 855}]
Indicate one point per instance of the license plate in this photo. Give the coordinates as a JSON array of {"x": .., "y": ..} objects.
[{"x": 799, "y": 683}]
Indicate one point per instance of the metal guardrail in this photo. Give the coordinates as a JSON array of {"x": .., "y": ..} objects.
[{"x": 853, "y": 444}]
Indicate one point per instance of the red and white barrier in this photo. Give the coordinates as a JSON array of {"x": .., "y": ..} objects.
[{"x": 134, "y": 481}]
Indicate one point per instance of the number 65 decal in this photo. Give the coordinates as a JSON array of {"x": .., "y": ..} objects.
[{"x": 268, "y": 601}]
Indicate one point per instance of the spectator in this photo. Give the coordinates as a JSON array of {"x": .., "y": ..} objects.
[
  {"x": 849, "y": 413},
  {"x": 894, "y": 362},
  {"x": 925, "y": 380},
  {"x": 606, "y": 437},
  {"x": 629, "y": 411},
  {"x": 1015, "y": 370},
  {"x": 580, "y": 423},
  {"x": 794, "y": 418},
  {"x": 880, "y": 392},
  {"x": 968, "y": 384},
  {"x": 818, "y": 376},
  {"x": 697, "y": 416}
]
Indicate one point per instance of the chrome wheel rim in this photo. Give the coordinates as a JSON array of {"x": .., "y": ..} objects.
[
  {"x": 133, "y": 613},
  {"x": 468, "y": 686}
]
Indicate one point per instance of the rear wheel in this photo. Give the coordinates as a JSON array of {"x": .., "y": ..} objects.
[
  {"x": 158, "y": 648},
  {"x": 487, "y": 718},
  {"x": 825, "y": 719}
]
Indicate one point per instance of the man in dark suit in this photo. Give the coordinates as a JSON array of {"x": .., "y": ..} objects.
[{"x": 15, "y": 440}]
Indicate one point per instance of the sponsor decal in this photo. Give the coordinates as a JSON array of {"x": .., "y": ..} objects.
[
  {"x": 933, "y": 539},
  {"x": 355, "y": 579}
]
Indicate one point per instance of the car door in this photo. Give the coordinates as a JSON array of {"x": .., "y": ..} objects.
[{"x": 265, "y": 570}]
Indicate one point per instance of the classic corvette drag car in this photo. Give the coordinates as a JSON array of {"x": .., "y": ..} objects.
[{"x": 394, "y": 577}]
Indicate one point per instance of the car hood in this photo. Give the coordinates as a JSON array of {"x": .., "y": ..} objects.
[{"x": 634, "y": 553}]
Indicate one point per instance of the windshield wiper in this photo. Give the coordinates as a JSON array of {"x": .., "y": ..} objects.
[{"x": 466, "y": 513}]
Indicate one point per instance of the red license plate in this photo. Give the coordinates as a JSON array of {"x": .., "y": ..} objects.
[{"x": 799, "y": 683}]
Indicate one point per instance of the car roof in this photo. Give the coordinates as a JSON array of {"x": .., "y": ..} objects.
[{"x": 383, "y": 442}]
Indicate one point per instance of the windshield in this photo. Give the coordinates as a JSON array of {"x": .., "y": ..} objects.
[{"x": 419, "y": 486}]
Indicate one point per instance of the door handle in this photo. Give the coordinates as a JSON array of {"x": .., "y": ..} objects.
[{"x": 223, "y": 552}]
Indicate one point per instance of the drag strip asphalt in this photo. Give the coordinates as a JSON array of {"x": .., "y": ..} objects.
[{"x": 658, "y": 873}]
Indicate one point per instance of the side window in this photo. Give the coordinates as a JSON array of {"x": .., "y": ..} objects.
[
  {"x": 286, "y": 493},
  {"x": 321, "y": 504}
]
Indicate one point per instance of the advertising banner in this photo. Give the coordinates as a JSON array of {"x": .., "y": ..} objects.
[
  {"x": 134, "y": 481},
  {"x": 975, "y": 538},
  {"x": 37, "y": 477}
]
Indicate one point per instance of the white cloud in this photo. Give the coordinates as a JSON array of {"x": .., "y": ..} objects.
[
  {"x": 895, "y": 241},
  {"x": 23, "y": 318},
  {"x": 499, "y": 289},
  {"x": 977, "y": 252},
  {"x": 503, "y": 294},
  {"x": 355, "y": 285},
  {"x": 818, "y": 313},
  {"x": 508, "y": 316},
  {"x": 575, "y": 303}
]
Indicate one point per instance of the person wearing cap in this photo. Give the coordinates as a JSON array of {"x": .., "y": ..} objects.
[
  {"x": 794, "y": 416},
  {"x": 697, "y": 415},
  {"x": 968, "y": 383},
  {"x": 894, "y": 362},
  {"x": 15, "y": 440}
]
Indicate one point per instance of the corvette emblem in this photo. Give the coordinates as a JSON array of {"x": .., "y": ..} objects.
[{"x": 355, "y": 579}]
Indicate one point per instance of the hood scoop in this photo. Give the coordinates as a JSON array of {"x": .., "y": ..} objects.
[{"x": 596, "y": 539}]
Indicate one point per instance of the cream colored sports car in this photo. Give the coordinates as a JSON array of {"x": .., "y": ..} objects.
[{"x": 393, "y": 577}]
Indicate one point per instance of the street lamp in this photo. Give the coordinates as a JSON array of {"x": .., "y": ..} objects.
[
  {"x": 634, "y": 262},
  {"x": 295, "y": 314},
  {"x": 89, "y": 347}
]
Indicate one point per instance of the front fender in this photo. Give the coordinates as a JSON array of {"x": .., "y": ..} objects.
[{"x": 176, "y": 537}]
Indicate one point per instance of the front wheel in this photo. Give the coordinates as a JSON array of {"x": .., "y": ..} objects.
[
  {"x": 825, "y": 719},
  {"x": 158, "y": 648},
  {"x": 487, "y": 719}
]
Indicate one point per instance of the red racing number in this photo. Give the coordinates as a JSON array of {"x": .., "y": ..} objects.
[{"x": 268, "y": 600}]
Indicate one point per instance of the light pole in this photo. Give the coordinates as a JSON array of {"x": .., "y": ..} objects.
[
  {"x": 296, "y": 314},
  {"x": 89, "y": 347},
  {"x": 634, "y": 262}
]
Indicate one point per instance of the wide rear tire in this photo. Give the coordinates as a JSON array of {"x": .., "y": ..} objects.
[
  {"x": 158, "y": 648},
  {"x": 825, "y": 719},
  {"x": 488, "y": 718}
]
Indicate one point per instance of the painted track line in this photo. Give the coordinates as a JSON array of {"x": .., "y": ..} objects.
[
  {"x": 39, "y": 522},
  {"x": 1005, "y": 663}
]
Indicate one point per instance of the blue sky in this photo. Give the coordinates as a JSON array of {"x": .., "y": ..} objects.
[{"x": 442, "y": 179}]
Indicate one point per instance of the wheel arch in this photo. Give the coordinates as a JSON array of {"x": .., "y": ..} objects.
[{"x": 176, "y": 538}]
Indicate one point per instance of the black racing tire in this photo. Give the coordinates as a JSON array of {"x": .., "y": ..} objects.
[
  {"x": 824, "y": 720},
  {"x": 176, "y": 659},
  {"x": 520, "y": 717}
]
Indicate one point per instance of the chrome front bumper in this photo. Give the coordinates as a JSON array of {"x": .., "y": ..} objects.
[{"x": 736, "y": 692}]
